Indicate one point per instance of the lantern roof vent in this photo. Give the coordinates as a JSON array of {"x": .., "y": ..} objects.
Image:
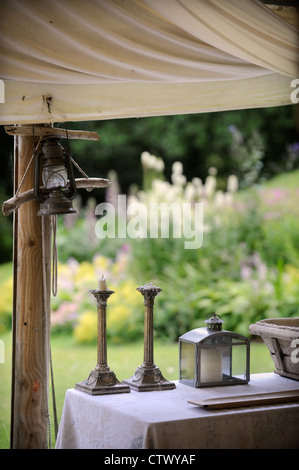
[{"x": 214, "y": 322}]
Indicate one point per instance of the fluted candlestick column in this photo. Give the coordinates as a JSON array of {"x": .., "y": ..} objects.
[
  {"x": 102, "y": 380},
  {"x": 148, "y": 376}
]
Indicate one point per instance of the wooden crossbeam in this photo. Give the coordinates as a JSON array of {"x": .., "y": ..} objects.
[
  {"x": 40, "y": 131},
  {"x": 16, "y": 201}
]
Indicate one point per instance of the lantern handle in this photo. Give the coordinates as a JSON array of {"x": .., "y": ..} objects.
[
  {"x": 214, "y": 322},
  {"x": 213, "y": 315},
  {"x": 69, "y": 166},
  {"x": 36, "y": 189}
]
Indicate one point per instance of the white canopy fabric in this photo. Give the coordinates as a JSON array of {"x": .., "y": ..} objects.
[{"x": 74, "y": 60}]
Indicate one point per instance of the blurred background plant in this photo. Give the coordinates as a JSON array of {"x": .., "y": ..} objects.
[
  {"x": 246, "y": 269},
  {"x": 241, "y": 165},
  {"x": 74, "y": 308}
]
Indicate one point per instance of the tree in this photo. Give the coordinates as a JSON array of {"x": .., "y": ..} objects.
[{"x": 255, "y": 144}]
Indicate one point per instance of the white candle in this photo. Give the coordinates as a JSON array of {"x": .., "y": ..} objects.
[
  {"x": 210, "y": 365},
  {"x": 102, "y": 283}
]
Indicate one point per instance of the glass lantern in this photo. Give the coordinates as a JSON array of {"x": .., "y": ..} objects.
[
  {"x": 53, "y": 166},
  {"x": 210, "y": 356}
]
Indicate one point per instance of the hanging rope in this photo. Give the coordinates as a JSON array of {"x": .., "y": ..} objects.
[
  {"x": 53, "y": 397},
  {"x": 28, "y": 166},
  {"x": 74, "y": 162},
  {"x": 25, "y": 174},
  {"x": 46, "y": 323},
  {"x": 46, "y": 330},
  {"x": 54, "y": 256}
]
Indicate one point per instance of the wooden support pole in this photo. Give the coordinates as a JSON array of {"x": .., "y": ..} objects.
[{"x": 29, "y": 422}]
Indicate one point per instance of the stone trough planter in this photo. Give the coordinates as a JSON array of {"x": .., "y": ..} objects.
[{"x": 280, "y": 335}]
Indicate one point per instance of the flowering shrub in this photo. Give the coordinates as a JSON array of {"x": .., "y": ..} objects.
[
  {"x": 236, "y": 272},
  {"x": 259, "y": 292},
  {"x": 124, "y": 316},
  {"x": 223, "y": 221},
  {"x": 152, "y": 169},
  {"x": 76, "y": 235},
  {"x": 246, "y": 269},
  {"x": 75, "y": 308},
  {"x": 6, "y": 304}
]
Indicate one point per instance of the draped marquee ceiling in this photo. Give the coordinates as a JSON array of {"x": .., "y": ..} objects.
[{"x": 74, "y": 60}]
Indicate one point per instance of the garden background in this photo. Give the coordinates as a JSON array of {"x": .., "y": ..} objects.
[{"x": 243, "y": 166}]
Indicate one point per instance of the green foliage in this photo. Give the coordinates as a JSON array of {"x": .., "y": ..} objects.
[
  {"x": 246, "y": 269},
  {"x": 254, "y": 144},
  {"x": 246, "y": 156},
  {"x": 74, "y": 308},
  {"x": 6, "y": 232},
  {"x": 76, "y": 236},
  {"x": 6, "y": 285},
  {"x": 267, "y": 141}
]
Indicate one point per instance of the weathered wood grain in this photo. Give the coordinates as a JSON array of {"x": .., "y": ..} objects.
[
  {"x": 30, "y": 374},
  {"x": 16, "y": 201},
  {"x": 42, "y": 131}
]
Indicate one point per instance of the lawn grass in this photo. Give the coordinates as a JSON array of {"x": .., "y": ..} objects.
[
  {"x": 284, "y": 180},
  {"x": 5, "y": 271},
  {"x": 73, "y": 362}
]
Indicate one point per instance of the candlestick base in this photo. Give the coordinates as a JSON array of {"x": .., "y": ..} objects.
[
  {"x": 102, "y": 382},
  {"x": 147, "y": 379}
]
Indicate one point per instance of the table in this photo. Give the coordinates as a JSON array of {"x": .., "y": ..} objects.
[{"x": 165, "y": 419}]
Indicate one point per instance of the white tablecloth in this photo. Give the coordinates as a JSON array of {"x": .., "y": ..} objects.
[{"x": 165, "y": 419}]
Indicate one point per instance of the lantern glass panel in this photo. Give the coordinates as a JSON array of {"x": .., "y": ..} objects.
[
  {"x": 54, "y": 176},
  {"x": 239, "y": 358},
  {"x": 214, "y": 359},
  {"x": 223, "y": 358},
  {"x": 187, "y": 369}
]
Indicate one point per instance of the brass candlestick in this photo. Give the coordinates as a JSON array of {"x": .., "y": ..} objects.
[
  {"x": 102, "y": 380},
  {"x": 148, "y": 376}
]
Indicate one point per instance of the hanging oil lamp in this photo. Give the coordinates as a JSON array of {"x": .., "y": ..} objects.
[{"x": 53, "y": 166}]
